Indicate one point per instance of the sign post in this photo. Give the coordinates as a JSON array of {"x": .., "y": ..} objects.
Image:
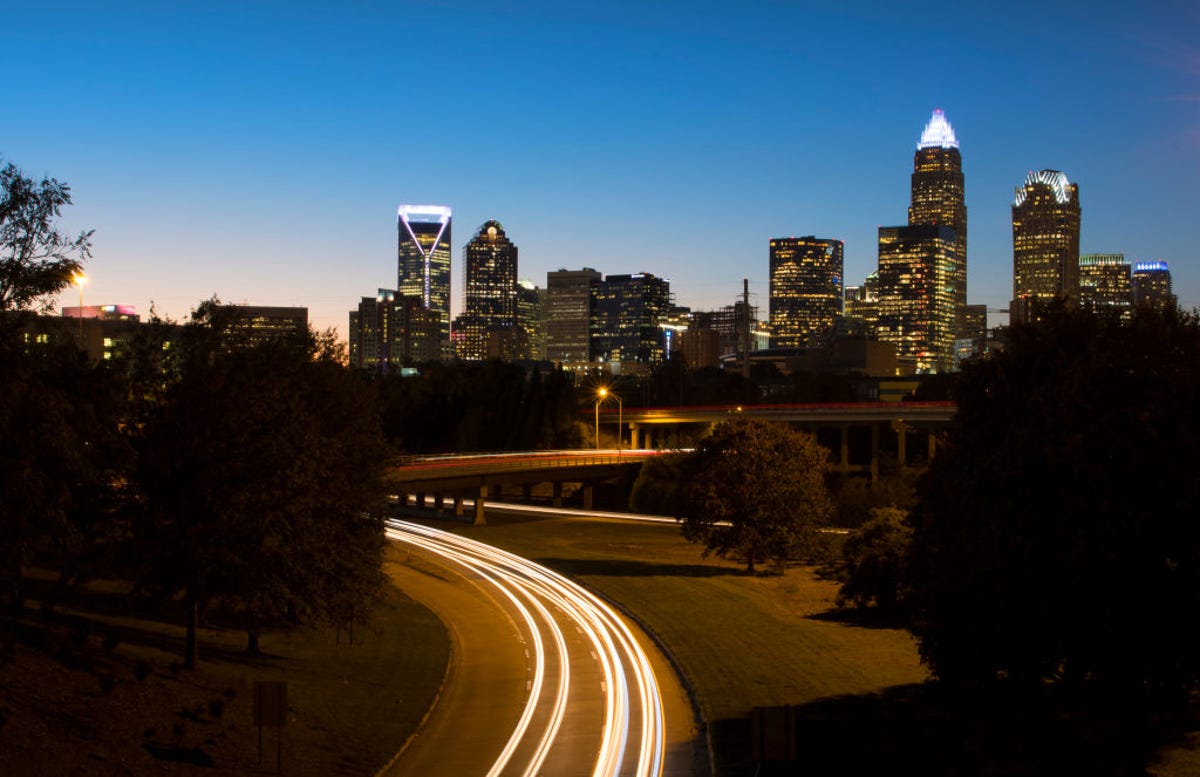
[{"x": 270, "y": 709}]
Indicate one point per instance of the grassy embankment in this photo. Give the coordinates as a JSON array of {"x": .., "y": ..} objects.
[
  {"x": 95, "y": 690},
  {"x": 743, "y": 641}
]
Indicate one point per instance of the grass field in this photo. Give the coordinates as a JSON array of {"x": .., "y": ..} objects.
[
  {"x": 857, "y": 691},
  {"x": 93, "y": 691}
]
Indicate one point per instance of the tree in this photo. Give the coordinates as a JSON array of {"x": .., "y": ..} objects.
[
  {"x": 1054, "y": 539},
  {"x": 261, "y": 476},
  {"x": 36, "y": 260},
  {"x": 756, "y": 490},
  {"x": 873, "y": 559}
]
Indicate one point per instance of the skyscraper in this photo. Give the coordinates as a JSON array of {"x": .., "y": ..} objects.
[
  {"x": 916, "y": 294},
  {"x": 1152, "y": 284},
  {"x": 628, "y": 309},
  {"x": 805, "y": 289},
  {"x": 570, "y": 296},
  {"x": 490, "y": 298},
  {"x": 388, "y": 332},
  {"x": 1105, "y": 283},
  {"x": 1045, "y": 225},
  {"x": 424, "y": 261},
  {"x": 938, "y": 196}
]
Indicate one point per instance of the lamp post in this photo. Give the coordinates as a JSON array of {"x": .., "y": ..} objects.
[
  {"x": 80, "y": 280},
  {"x": 602, "y": 394}
]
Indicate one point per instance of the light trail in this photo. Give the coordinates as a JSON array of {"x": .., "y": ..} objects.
[{"x": 631, "y": 741}]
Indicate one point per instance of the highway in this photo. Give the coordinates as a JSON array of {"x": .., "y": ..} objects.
[{"x": 587, "y": 701}]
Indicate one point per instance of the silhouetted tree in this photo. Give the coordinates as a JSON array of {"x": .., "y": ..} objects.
[
  {"x": 873, "y": 559},
  {"x": 36, "y": 260},
  {"x": 1055, "y": 538},
  {"x": 658, "y": 488},
  {"x": 756, "y": 490},
  {"x": 261, "y": 477}
]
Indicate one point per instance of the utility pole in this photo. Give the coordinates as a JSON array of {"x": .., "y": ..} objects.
[{"x": 744, "y": 334}]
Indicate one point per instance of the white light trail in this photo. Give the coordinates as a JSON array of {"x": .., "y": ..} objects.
[{"x": 633, "y": 715}]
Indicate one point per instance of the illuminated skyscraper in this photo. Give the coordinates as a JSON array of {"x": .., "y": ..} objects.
[
  {"x": 1045, "y": 225},
  {"x": 916, "y": 294},
  {"x": 1152, "y": 284},
  {"x": 805, "y": 289},
  {"x": 490, "y": 299},
  {"x": 570, "y": 297},
  {"x": 938, "y": 196},
  {"x": 424, "y": 262},
  {"x": 627, "y": 312},
  {"x": 388, "y": 332},
  {"x": 1104, "y": 283}
]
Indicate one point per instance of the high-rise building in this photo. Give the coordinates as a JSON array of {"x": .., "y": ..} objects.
[
  {"x": 805, "y": 289},
  {"x": 625, "y": 319},
  {"x": 570, "y": 296},
  {"x": 246, "y": 326},
  {"x": 938, "y": 197},
  {"x": 1105, "y": 283},
  {"x": 531, "y": 321},
  {"x": 424, "y": 262},
  {"x": 1045, "y": 225},
  {"x": 916, "y": 294},
  {"x": 862, "y": 304},
  {"x": 389, "y": 331},
  {"x": 490, "y": 296},
  {"x": 1152, "y": 284}
]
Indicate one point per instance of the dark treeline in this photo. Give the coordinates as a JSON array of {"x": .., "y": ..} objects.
[{"x": 490, "y": 406}]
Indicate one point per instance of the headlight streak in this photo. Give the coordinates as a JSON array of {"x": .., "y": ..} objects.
[{"x": 621, "y": 658}]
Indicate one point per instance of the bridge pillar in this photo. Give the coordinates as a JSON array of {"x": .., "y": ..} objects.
[
  {"x": 901, "y": 440},
  {"x": 587, "y": 496},
  {"x": 932, "y": 445},
  {"x": 421, "y": 499},
  {"x": 458, "y": 505},
  {"x": 480, "y": 519},
  {"x": 874, "y": 452},
  {"x": 557, "y": 493},
  {"x": 439, "y": 501},
  {"x": 844, "y": 466}
]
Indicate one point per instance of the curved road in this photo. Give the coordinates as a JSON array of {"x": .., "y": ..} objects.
[{"x": 545, "y": 678}]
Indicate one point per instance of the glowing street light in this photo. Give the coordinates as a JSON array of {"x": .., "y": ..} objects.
[
  {"x": 603, "y": 393},
  {"x": 80, "y": 280}
]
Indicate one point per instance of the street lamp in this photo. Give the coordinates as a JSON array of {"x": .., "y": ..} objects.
[
  {"x": 80, "y": 280},
  {"x": 602, "y": 394}
]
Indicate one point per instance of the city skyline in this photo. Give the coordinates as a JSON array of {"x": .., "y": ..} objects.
[{"x": 260, "y": 154}]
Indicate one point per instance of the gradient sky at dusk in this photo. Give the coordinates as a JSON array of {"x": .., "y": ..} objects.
[{"x": 258, "y": 151}]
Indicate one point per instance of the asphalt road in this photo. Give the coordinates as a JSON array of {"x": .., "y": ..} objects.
[{"x": 543, "y": 679}]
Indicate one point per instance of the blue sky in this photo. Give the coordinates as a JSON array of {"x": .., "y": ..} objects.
[{"x": 258, "y": 151}]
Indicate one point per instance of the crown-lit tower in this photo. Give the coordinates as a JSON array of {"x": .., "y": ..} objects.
[
  {"x": 938, "y": 197},
  {"x": 424, "y": 261},
  {"x": 1045, "y": 226},
  {"x": 490, "y": 301}
]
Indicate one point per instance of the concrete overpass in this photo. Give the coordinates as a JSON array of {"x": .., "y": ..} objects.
[
  {"x": 480, "y": 476},
  {"x": 656, "y": 428}
]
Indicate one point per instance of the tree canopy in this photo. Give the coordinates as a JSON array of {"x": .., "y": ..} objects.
[
  {"x": 36, "y": 259},
  {"x": 756, "y": 491},
  {"x": 1055, "y": 538}
]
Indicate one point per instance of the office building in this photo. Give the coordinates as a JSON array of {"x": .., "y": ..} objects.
[
  {"x": 805, "y": 289},
  {"x": 570, "y": 295},
  {"x": 861, "y": 307},
  {"x": 424, "y": 262},
  {"x": 1045, "y": 226},
  {"x": 1105, "y": 283},
  {"x": 1151, "y": 283},
  {"x": 388, "y": 332},
  {"x": 246, "y": 326},
  {"x": 625, "y": 321},
  {"x": 938, "y": 197},
  {"x": 490, "y": 296},
  {"x": 916, "y": 280},
  {"x": 531, "y": 321}
]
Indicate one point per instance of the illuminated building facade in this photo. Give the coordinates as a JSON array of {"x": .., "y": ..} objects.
[
  {"x": 1045, "y": 226},
  {"x": 490, "y": 297},
  {"x": 424, "y": 262},
  {"x": 916, "y": 294},
  {"x": 246, "y": 326},
  {"x": 389, "y": 331},
  {"x": 530, "y": 321},
  {"x": 1151, "y": 283},
  {"x": 626, "y": 316},
  {"x": 805, "y": 289},
  {"x": 1105, "y": 283},
  {"x": 938, "y": 196},
  {"x": 570, "y": 296},
  {"x": 862, "y": 303}
]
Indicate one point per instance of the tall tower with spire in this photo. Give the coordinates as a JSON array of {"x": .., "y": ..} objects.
[
  {"x": 1045, "y": 228},
  {"x": 938, "y": 198},
  {"x": 424, "y": 262}
]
